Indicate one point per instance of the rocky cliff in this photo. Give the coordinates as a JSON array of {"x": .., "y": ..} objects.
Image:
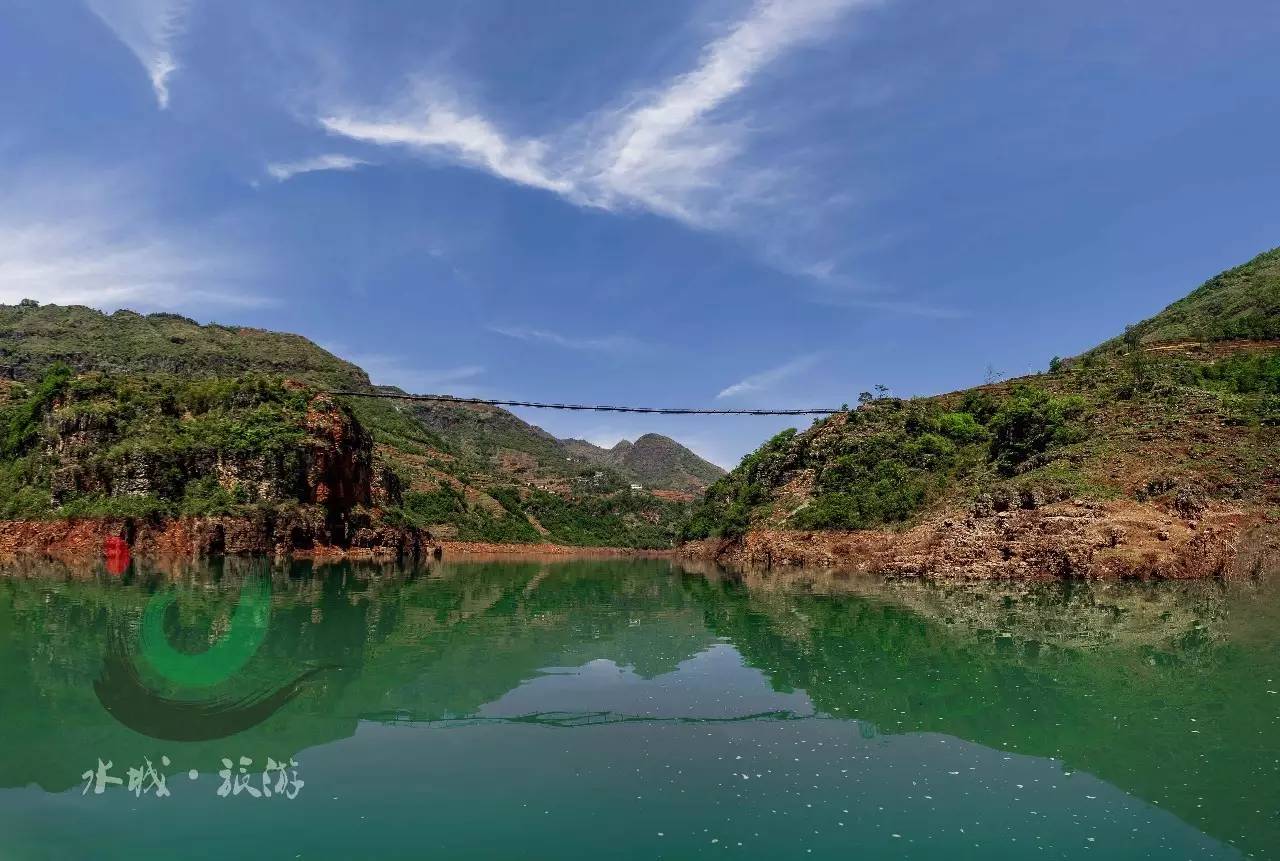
[{"x": 244, "y": 464}]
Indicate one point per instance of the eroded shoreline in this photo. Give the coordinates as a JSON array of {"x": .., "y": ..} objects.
[{"x": 1066, "y": 540}]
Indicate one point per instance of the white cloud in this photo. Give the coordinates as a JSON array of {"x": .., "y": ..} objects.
[
  {"x": 605, "y": 343},
  {"x": 685, "y": 149},
  {"x": 281, "y": 171},
  {"x": 666, "y": 154},
  {"x": 149, "y": 29},
  {"x": 87, "y": 263},
  {"x": 468, "y": 138},
  {"x": 111, "y": 253},
  {"x": 682, "y": 150},
  {"x": 665, "y": 151},
  {"x": 766, "y": 380}
]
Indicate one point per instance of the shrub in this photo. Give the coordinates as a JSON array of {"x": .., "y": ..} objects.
[
  {"x": 961, "y": 427},
  {"x": 981, "y": 405},
  {"x": 205, "y": 497},
  {"x": 893, "y": 496},
  {"x": 23, "y": 420},
  {"x": 442, "y": 505},
  {"x": 115, "y": 506},
  {"x": 1241, "y": 374},
  {"x": 1030, "y": 422},
  {"x": 22, "y": 494}
]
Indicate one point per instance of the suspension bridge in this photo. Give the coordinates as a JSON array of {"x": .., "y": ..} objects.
[{"x": 599, "y": 408}]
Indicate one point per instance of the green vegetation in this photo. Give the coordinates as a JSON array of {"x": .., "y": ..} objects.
[
  {"x": 34, "y": 337},
  {"x": 1094, "y": 428},
  {"x": 122, "y": 445},
  {"x": 727, "y": 508},
  {"x": 882, "y": 472},
  {"x": 447, "y": 505},
  {"x": 443, "y": 505},
  {"x": 1241, "y": 303},
  {"x": 622, "y": 519},
  {"x": 619, "y": 519},
  {"x": 1164, "y": 403},
  {"x": 131, "y": 413},
  {"x": 1030, "y": 422},
  {"x": 1240, "y": 374},
  {"x": 887, "y": 461},
  {"x": 22, "y": 420},
  {"x": 156, "y": 441}
]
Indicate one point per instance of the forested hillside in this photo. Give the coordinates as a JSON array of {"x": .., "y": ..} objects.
[
  {"x": 127, "y": 413},
  {"x": 1183, "y": 409}
]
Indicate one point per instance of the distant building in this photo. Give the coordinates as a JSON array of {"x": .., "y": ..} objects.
[{"x": 635, "y": 487}]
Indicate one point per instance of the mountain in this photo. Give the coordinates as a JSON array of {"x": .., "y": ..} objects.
[
  {"x": 1156, "y": 452},
  {"x": 1240, "y": 304},
  {"x": 654, "y": 461},
  {"x": 34, "y": 337},
  {"x": 468, "y": 471}
]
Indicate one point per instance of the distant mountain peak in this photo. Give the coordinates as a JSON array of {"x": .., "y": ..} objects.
[{"x": 653, "y": 461}]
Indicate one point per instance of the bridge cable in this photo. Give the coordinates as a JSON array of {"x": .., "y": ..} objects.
[{"x": 601, "y": 408}]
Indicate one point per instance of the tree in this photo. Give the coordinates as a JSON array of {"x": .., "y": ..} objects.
[
  {"x": 1055, "y": 364},
  {"x": 881, "y": 391},
  {"x": 1140, "y": 369},
  {"x": 864, "y": 398},
  {"x": 1030, "y": 422}
]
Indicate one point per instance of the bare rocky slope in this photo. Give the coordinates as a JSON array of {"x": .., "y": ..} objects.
[{"x": 1155, "y": 454}]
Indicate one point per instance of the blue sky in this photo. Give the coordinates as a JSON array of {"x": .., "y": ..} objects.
[{"x": 717, "y": 202}]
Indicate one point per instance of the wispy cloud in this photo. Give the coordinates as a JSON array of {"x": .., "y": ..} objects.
[
  {"x": 468, "y": 138},
  {"x": 83, "y": 263},
  {"x": 397, "y": 370},
  {"x": 669, "y": 152},
  {"x": 148, "y": 28},
  {"x": 605, "y": 343},
  {"x": 449, "y": 376},
  {"x": 665, "y": 150},
  {"x": 690, "y": 148},
  {"x": 283, "y": 170},
  {"x": 910, "y": 307},
  {"x": 838, "y": 291},
  {"x": 110, "y": 252},
  {"x": 766, "y": 380}
]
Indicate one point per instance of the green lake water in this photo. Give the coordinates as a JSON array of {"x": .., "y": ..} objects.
[{"x": 631, "y": 709}]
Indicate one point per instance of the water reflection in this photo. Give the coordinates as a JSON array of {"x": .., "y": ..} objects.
[{"x": 502, "y": 707}]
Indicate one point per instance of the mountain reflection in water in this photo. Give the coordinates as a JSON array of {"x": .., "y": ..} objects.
[{"x": 642, "y": 708}]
